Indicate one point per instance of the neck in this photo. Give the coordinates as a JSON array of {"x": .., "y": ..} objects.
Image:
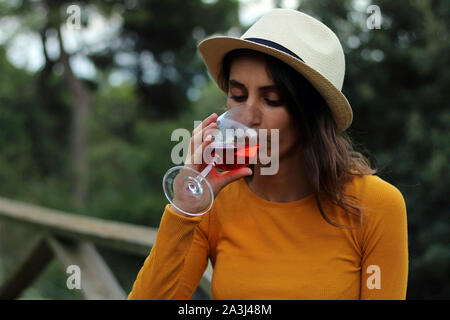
[{"x": 289, "y": 184}]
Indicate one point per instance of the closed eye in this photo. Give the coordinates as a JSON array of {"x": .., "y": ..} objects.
[
  {"x": 274, "y": 103},
  {"x": 239, "y": 98}
]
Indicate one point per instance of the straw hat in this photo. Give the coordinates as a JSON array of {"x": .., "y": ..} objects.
[{"x": 299, "y": 40}]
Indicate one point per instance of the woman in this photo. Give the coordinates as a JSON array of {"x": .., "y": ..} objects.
[{"x": 324, "y": 226}]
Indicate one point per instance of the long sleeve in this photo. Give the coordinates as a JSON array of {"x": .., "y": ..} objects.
[
  {"x": 384, "y": 266},
  {"x": 177, "y": 260}
]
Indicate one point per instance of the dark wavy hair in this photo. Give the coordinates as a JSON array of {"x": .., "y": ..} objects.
[{"x": 329, "y": 157}]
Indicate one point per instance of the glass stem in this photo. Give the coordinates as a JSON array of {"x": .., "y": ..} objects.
[{"x": 208, "y": 168}]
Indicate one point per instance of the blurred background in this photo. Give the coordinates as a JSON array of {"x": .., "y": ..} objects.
[{"x": 90, "y": 92}]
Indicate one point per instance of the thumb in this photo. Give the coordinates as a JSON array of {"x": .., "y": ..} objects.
[{"x": 230, "y": 176}]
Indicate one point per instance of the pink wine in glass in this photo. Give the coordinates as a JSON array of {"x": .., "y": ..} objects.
[{"x": 241, "y": 156}]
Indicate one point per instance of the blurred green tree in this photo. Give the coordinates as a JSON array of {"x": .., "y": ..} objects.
[{"x": 157, "y": 38}]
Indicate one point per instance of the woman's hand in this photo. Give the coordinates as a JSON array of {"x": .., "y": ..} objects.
[{"x": 218, "y": 180}]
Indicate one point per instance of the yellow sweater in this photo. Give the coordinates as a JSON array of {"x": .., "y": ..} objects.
[{"x": 282, "y": 250}]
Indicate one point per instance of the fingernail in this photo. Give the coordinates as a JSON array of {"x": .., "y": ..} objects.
[{"x": 208, "y": 138}]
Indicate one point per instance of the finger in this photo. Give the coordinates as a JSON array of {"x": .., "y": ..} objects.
[
  {"x": 205, "y": 131},
  {"x": 197, "y": 141},
  {"x": 200, "y": 154},
  {"x": 205, "y": 123},
  {"x": 200, "y": 135},
  {"x": 230, "y": 176}
]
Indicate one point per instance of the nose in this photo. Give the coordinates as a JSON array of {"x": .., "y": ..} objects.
[{"x": 253, "y": 114}]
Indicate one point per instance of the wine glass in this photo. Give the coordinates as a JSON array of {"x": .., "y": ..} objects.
[{"x": 234, "y": 146}]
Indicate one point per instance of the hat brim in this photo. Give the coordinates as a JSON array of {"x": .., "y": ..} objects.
[{"x": 214, "y": 49}]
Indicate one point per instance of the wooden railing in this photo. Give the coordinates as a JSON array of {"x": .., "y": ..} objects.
[{"x": 73, "y": 240}]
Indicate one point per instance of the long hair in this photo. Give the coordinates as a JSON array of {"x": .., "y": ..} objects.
[{"x": 329, "y": 158}]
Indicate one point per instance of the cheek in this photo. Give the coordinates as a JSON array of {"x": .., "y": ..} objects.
[
  {"x": 231, "y": 103},
  {"x": 282, "y": 120},
  {"x": 278, "y": 118},
  {"x": 288, "y": 133}
]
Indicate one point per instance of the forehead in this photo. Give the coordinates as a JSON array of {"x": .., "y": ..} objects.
[{"x": 250, "y": 69}]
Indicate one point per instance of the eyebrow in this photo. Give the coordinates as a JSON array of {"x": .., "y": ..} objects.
[{"x": 241, "y": 85}]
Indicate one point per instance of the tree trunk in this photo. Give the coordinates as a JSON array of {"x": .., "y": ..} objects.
[{"x": 81, "y": 105}]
